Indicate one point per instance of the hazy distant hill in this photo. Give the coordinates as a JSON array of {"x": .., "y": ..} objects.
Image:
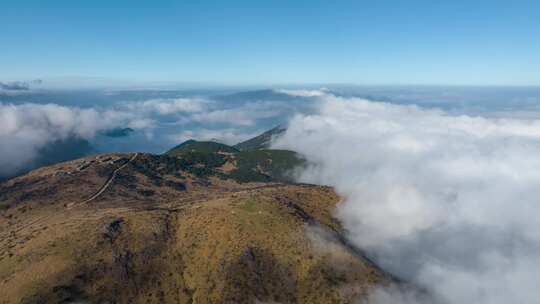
[
  {"x": 118, "y": 132},
  {"x": 55, "y": 152},
  {"x": 64, "y": 150}
]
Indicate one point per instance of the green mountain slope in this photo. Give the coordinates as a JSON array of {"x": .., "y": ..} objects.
[
  {"x": 265, "y": 165},
  {"x": 247, "y": 165},
  {"x": 261, "y": 141},
  {"x": 200, "y": 146}
]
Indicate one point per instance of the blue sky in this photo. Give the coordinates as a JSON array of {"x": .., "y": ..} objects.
[{"x": 274, "y": 42}]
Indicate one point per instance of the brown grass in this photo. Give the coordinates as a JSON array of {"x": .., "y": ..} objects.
[{"x": 216, "y": 242}]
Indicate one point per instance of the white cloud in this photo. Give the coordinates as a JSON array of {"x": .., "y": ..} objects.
[
  {"x": 227, "y": 136},
  {"x": 305, "y": 93},
  {"x": 447, "y": 202},
  {"x": 26, "y": 128},
  {"x": 168, "y": 106},
  {"x": 244, "y": 115},
  {"x": 236, "y": 117},
  {"x": 142, "y": 123},
  {"x": 228, "y": 116},
  {"x": 198, "y": 110}
]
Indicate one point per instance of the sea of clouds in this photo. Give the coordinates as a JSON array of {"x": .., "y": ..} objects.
[
  {"x": 27, "y": 127},
  {"x": 442, "y": 198},
  {"x": 448, "y": 202}
]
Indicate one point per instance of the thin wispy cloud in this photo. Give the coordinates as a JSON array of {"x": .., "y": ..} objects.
[
  {"x": 304, "y": 93},
  {"x": 169, "y": 106}
]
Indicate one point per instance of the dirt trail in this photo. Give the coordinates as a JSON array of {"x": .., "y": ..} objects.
[
  {"x": 41, "y": 219},
  {"x": 110, "y": 180}
]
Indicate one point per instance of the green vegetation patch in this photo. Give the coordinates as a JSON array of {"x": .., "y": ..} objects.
[
  {"x": 204, "y": 158},
  {"x": 260, "y": 142},
  {"x": 200, "y": 146},
  {"x": 264, "y": 165}
]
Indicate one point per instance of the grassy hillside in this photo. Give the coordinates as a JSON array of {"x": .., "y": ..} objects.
[
  {"x": 202, "y": 223},
  {"x": 265, "y": 165},
  {"x": 200, "y": 146},
  {"x": 261, "y": 141},
  {"x": 159, "y": 233},
  {"x": 262, "y": 165}
]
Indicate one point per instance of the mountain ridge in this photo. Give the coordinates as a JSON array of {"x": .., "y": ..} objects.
[
  {"x": 261, "y": 141},
  {"x": 250, "y": 160},
  {"x": 143, "y": 228}
]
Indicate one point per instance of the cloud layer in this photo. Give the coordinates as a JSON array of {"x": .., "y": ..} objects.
[
  {"x": 447, "y": 202},
  {"x": 26, "y": 128},
  {"x": 230, "y": 136}
]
